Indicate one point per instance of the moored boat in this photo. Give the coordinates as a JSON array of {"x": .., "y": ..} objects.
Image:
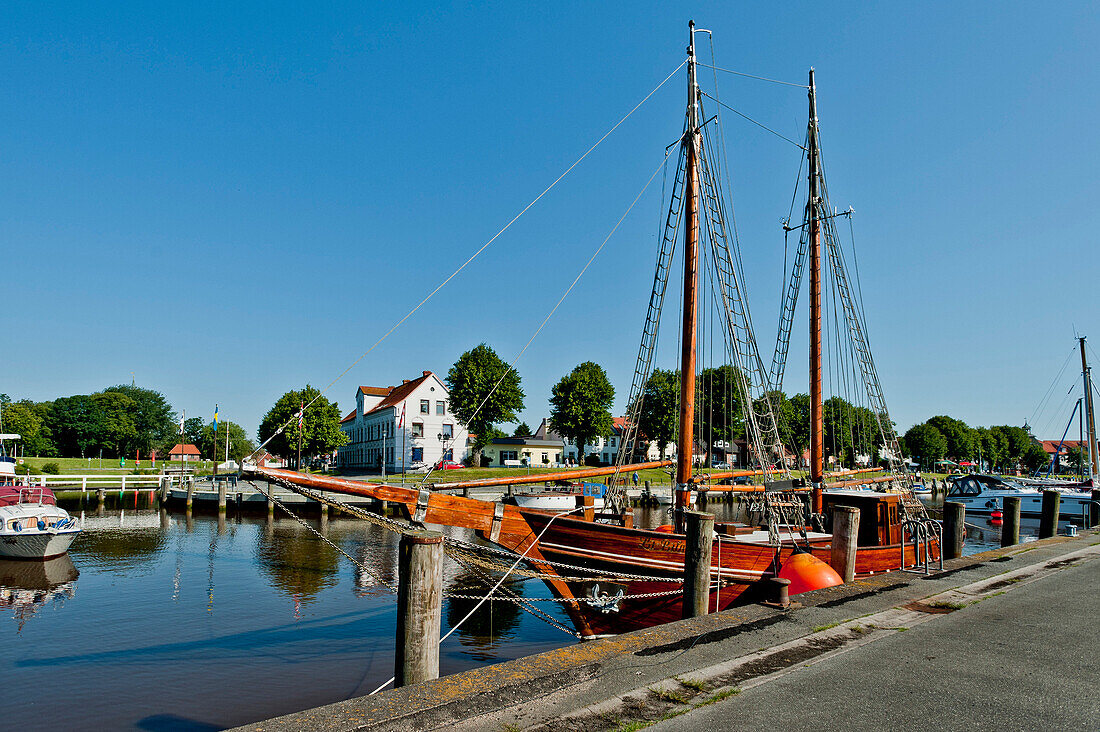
[
  {"x": 33, "y": 525},
  {"x": 638, "y": 575},
  {"x": 986, "y": 493}
]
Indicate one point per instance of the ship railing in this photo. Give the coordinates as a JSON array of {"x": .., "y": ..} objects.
[
  {"x": 922, "y": 532},
  {"x": 26, "y": 495}
]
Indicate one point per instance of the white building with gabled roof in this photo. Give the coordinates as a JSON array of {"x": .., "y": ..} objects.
[{"x": 401, "y": 427}]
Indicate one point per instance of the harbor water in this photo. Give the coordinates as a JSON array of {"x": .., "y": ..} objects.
[{"x": 160, "y": 621}]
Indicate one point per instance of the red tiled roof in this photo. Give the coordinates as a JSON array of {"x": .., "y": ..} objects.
[
  {"x": 350, "y": 417},
  {"x": 187, "y": 450},
  {"x": 398, "y": 394}
]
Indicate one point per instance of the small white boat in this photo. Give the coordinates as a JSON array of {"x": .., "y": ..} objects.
[
  {"x": 32, "y": 525},
  {"x": 985, "y": 494},
  {"x": 560, "y": 498}
]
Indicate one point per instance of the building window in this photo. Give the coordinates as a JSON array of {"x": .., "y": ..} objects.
[
  {"x": 449, "y": 455},
  {"x": 441, "y": 408},
  {"x": 448, "y": 431},
  {"x": 545, "y": 458},
  {"x": 424, "y": 406},
  {"x": 508, "y": 455},
  {"x": 418, "y": 429},
  {"x": 612, "y": 442},
  {"x": 418, "y": 454}
]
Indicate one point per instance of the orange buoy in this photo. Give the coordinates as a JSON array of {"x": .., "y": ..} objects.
[
  {"x": 806, "y": 572},
  {"x": 664, "y": 528}
]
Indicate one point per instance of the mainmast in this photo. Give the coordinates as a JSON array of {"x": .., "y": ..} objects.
[
  {"x": 817, "y": 429},
  {"x": 1090, "y": 417},
  {"x": 686, "y": 443}
]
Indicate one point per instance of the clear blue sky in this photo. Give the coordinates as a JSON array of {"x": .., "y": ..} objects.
[{"x": 231, "y": 200}]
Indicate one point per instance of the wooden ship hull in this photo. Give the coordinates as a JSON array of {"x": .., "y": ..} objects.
[{"x": 738, "y": 566}]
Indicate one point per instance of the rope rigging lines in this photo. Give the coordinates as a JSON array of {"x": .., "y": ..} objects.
[{"x": 471, "y": 258}]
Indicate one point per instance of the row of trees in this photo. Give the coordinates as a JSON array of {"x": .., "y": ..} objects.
[
  {"x": 118, "y": 421},
  {"x": 1000, "y": 447},
  {"x": 485, "y": 391}
]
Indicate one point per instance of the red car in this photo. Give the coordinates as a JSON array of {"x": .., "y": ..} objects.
[{"x": 448, "y": 465}]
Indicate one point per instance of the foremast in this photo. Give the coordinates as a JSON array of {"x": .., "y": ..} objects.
[{"x": 685, "y": 446}]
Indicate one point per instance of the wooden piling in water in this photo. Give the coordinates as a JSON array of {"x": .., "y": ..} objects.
[
  {"x": 697, "y": 553},
  {"x": 1048, "y": 522},
  {"x": 419, "y": 604},
  {"x": 954, "y": 518},
  {"x": 1010, "y": 528},
  {"x": 845, "y": 536},
  {"x": 190, "y": 493}
]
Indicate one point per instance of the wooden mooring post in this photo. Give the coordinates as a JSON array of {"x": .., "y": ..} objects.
[
  {"x": 1010, "y": 529},
  {"x": 419, "y": 604},
  {"x": 1048, "y": 522},
  {"x": 845, "y": 536},
  {"x": 221, "y": 495},
  {"x": 954, "y": 518},
  {"x": 190, "y": 493},
  {"x": 697, "y": 553}
]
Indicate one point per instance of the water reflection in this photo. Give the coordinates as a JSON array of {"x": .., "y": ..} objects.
[
  {"x": 27, "y": 586},
  {"x": 296, "y": 561},
  {"x": 492, "y": 623}
]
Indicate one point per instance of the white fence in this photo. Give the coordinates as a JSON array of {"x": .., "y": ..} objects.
[{"x": 97, "y": 481}]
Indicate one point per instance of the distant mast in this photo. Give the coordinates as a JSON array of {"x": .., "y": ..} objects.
[
  {"x": 817, "y": 429},
  {"x": 1090, "y": 416},
  {"x": 685, "y": 447}
]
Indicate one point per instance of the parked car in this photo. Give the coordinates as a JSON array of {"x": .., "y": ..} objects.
[
  {"x": 720, "y": 465},
  {"x": 448, "y": 465}
]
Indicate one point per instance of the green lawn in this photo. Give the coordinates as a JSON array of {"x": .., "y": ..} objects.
[{"x": 84, "y": 466}]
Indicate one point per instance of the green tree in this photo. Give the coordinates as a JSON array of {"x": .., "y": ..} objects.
[
  {"x": 116, "y": 429},
  {"x": 320, "y": 432},
  {"x": 75, "y": 422},
  {"x": 522, "y": 430},
  {"x": 1076, "y": 458},
  {"x": 718, "y": 408},
  {"x": 993, "y": 447},
  {"x": 660, "y": 416},
  {"x": 961, "y": 442},
  {"x": 26, "y": 419},
  {"x": 580, "y": 405},
  {"x": 925, "y": 443},
  {"x": 1018, "y": 441},
  {"x": 154, "y": 421},
  {"x": 799, "y": 424},
  {"x": 1035, "y": 457},
  {"x": 213, "y": 444},
  {"x": 192, "y": 431},
  {"x": 476, "y": 397}
]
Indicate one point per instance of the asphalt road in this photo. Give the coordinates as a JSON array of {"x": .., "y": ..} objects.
[{"x": 1028, "y": 659}]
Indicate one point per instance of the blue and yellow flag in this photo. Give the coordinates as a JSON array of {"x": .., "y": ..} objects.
[{"x": 215, "y": 417}]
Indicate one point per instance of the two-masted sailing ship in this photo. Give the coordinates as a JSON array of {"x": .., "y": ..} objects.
[{"x": 615, "y": 577}]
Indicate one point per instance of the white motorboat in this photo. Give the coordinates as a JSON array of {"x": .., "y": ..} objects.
[
  {"x": 986, "y": 493},
  {"x": 32, "y": 525},
  {"x": 560, "y": 498}
]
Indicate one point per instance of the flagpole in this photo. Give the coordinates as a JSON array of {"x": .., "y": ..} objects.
[
  {"x": 214, "y": 480},
  {"x": 182, "y": 420}
]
